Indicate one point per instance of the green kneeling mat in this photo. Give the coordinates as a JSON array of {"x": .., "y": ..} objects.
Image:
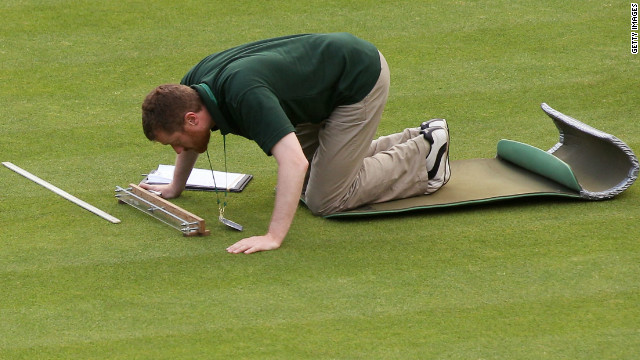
[{"x": 586, "y": 163}]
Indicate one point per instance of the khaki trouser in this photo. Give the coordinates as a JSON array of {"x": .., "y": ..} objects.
[{"x": 348, "y": 169}]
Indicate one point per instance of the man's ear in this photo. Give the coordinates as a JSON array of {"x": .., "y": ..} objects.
[{"x": 190, "y": 118}]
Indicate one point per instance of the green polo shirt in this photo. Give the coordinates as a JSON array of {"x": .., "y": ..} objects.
[{"x": 262, "y": 90}]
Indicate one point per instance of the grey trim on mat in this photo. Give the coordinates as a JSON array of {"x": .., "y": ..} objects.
[{"x": 567, "y": 124}]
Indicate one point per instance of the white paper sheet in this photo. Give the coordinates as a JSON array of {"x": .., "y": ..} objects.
[{"x": 199, "y": 178}]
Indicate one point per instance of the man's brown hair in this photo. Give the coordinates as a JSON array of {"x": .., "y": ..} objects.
[{"x": 164, "y": 108}]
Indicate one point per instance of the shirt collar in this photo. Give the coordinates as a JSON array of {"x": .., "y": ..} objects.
[{"x": 211, "y": 103}]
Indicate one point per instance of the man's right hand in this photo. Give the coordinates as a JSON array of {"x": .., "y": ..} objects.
[
  {"x": 167, "y": 191},
  {"x": 184, "y": 164}
]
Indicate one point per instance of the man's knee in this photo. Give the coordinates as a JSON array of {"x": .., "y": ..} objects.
[{"x": 319, "y": 205}]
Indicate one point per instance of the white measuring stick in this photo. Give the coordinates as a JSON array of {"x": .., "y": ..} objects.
[{"x": 62, "y": 193}]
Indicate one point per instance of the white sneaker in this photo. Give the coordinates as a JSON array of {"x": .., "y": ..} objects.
[
  {"x": 434, "y": 123},
  {"x": 438, "y": 167}
]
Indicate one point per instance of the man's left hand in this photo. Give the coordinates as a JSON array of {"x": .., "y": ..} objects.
[{"x": 254, "y": 244}]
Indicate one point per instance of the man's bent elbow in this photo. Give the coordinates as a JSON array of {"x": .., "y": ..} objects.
[{"x": 303, "y": 163}]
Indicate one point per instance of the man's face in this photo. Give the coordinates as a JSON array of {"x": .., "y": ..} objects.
[{"x": 189, "y": 138}]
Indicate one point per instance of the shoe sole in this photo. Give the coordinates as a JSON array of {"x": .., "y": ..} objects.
[{"x": 440, "y": 173}]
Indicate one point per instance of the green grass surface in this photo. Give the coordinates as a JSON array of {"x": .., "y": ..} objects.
[{"x": 543, "y": 279}]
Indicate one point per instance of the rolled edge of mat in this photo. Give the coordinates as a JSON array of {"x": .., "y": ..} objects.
[{"x": 592, "y": 164}]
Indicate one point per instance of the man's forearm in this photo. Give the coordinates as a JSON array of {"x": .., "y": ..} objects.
[
  {"x": 290, "y": 180},
  {"x": 292, "y": 168},
  {"x": 184, "y": 164}
]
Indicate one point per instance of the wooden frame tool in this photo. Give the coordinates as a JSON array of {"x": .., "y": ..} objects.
[{"x": 163, "y": 210}]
